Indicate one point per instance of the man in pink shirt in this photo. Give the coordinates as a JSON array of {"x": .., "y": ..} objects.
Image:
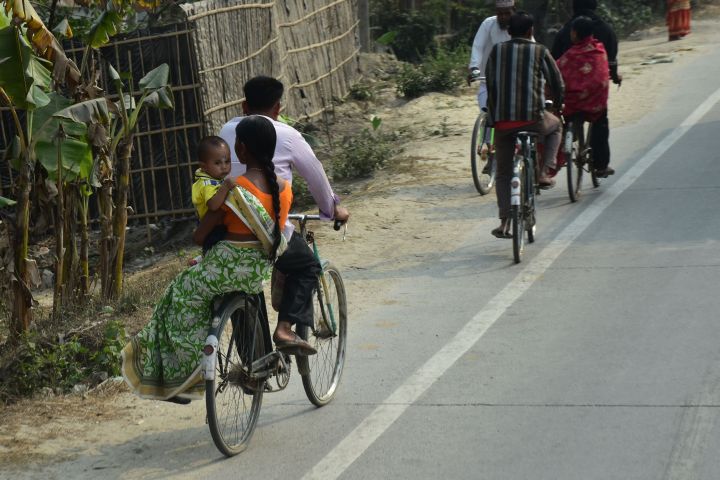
[{"x": 262, "y": 97}]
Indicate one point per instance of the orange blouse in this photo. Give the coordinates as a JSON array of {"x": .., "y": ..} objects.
[{"x": 235, "y": 225}]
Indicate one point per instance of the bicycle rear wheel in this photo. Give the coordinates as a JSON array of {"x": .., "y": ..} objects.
[
  {"x": 321, "y": 373},
  {"x": 517, "y": 217},
  {"x": 234, "y": 397},
  {"x": 483, "y": 179},
  {"x": 572, "y": 163}
]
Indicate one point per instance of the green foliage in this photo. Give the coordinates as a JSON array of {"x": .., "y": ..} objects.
[
  {"x": 363, "y": 153},
  {"x": 625, "y": 16},
  {"x": 441, "y": 72},
  {"x": 302, "y": 198},
  {"x": 23, "y": 75},
  {"x": 6, "y": 202},
  {"x": 62, "y": 364},
  {"x": 75, "y": 151},
  {"x": 361, "y": 92}
]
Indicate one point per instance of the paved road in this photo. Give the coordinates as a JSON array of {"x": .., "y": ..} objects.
[{"x": 596, "y": 358}]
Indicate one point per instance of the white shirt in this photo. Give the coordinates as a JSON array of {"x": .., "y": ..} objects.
[
  {"x": 488, "y": 35},
  {"x": 291, "y": 150}
]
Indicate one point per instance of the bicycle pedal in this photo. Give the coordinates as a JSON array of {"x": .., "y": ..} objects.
[{"x": 265, "y": 364}]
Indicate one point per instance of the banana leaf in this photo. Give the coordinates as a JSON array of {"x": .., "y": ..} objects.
[
  {"x": 23, "y": 75},
  {"x": 6, "y": 202}
]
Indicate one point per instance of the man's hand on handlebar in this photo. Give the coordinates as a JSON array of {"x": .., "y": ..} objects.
[{"x": 341, "y": 215}]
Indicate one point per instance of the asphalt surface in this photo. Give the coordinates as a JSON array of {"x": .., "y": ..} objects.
[{"x": 595, "y": 358}]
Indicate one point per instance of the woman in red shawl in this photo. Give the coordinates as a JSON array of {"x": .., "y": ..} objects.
[
  {"x": 586, "y": 73},
  {"x": 678, "y": 19}
]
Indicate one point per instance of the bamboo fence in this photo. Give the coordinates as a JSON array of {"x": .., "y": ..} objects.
[{"x": 311, "y": 45}]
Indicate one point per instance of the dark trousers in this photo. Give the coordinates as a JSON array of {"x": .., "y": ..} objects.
[
  {"x": 302, "y": 270},
  {"x": 600, "y": 142}
]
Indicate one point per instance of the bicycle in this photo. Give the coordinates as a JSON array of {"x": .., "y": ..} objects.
[
  {"x": 578, "y": 154},
  {"x": 523, "y": 188},
  {"x": 482, "y": 164},
  {"x": 239, "y": 363}
]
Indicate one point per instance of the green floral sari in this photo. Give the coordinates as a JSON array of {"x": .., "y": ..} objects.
[{"x": 163, "y": 360}]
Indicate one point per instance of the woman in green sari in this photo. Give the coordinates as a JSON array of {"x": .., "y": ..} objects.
[{"x": 163, "y": 360}]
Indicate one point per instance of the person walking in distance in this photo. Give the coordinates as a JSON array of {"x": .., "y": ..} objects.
[
  {"x": 492, "y": 30},
  {"x": 517, "y": 73},
  {"x": 298, "y": 264}
]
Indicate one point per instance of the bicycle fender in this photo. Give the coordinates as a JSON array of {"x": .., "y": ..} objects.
[{"x": 207, "y": 364}]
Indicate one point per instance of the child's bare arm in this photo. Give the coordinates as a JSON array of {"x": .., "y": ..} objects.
[{"x": 219, "y": 198}]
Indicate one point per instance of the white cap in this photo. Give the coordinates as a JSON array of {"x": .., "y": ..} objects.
[{"x": 504, "y": 3}]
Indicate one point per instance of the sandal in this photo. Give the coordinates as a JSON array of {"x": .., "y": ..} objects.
[
  {"x": 296, "y": 346},
  {"x": 499, "y": 232}
]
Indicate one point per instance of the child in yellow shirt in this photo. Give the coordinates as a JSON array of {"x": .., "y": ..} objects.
[{"x": 212, "y": 183}]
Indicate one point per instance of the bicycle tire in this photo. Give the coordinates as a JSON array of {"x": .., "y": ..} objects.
[
  {"x": 528, "y": 200},
  {"x": 590, "y": 161},
  {"x": 517, "y": 217},
  {"x": 571, "y": 162},
  {"x": 241, "y": 340},
  {"x": 483, "y": 182},
  {"x": 321, "y": 373}
]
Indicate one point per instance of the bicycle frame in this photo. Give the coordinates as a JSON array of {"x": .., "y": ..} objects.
[{"x": 310, "y": 238}]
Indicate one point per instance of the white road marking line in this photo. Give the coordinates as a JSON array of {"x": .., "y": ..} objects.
[{"x": 375, "y": 424}]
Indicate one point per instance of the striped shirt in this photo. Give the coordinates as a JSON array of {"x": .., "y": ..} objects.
[{"x": 516, "y": 74}]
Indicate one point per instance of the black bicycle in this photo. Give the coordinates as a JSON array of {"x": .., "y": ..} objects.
[
  {"x": 240, "y": 365},
  {"x": 578, "y": 154},
  {"x": 523, "y": 189}
]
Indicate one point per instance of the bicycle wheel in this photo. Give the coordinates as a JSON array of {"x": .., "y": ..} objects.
[
  {"x": 517, "y": 217},
  {"x": 234, "y": 397},
  {"x": 321, "y": 373},
  {"x": 589, "y": 160},
  {"x": 483, "y": 179},
  {"x": 571, "y": 162}
]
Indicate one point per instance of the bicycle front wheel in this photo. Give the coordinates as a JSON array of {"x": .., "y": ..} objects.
[
  {"x": 483, "y": 165},
  {"x": 321, "y": 373},
  {"x": 234, "y": 397}
]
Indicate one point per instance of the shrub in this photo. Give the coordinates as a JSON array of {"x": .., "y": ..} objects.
[
  {"x": 363, "y": 153},
  {"x": 441, "y": 72},
  {"x": 625, "y": 16},
  {"x": 60, "y": 364}
]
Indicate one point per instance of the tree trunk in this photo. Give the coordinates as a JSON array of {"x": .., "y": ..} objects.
[
  {"x": 84, "y": 287},
  {"x": 58, "y": 296},
  {"x": 22, "y": 298},
  {"x": 107, "y": 240},
  {"x": 120, "y": 218},
  {"x": 70, "y": 272}
]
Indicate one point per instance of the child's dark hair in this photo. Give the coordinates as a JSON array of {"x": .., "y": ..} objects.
[
  {"x": 520, "y": 23},
  {"x": 258, "y": 135},
  {"x": 583, "y": 27},
  {"x": 207, "y": 144},
  {"x": 262, "y": 93}
]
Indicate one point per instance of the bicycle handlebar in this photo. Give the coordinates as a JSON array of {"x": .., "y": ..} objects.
[{"x": 337, "y": 224}]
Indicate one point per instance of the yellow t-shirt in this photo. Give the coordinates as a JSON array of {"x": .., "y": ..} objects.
[{"x": 203, "y": 190}]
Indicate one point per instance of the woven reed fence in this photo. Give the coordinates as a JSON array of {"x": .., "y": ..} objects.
[{"x": 310, "y": 45}]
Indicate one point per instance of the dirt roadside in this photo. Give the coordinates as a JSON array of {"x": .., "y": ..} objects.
[{"x": 389, "y": 231}]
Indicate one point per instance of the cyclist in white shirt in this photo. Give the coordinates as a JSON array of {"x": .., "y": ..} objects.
[{"x": 493, "y": 30}]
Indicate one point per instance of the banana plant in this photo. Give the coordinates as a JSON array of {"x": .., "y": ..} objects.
[
  {"x": 155, "y": 92},
  {"x": 24, "y": 81},
  {"x": 119, "y": 134}
]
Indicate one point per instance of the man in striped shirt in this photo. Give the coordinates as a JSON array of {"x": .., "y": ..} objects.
[{"x": 517, "y": 73}]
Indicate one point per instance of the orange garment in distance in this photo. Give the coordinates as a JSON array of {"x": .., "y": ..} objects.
[{"x": 235, "y": 225}]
